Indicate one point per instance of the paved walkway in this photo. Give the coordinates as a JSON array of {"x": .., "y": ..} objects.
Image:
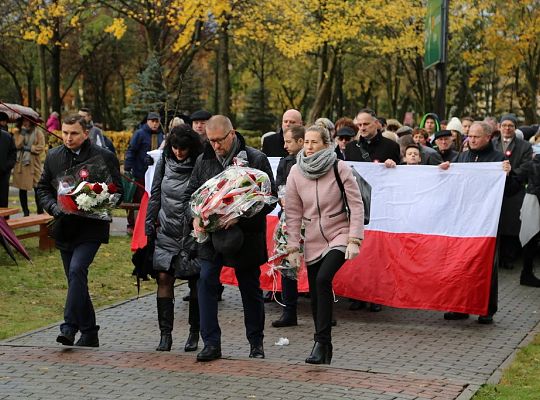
[{"x": 394, "y": 354}]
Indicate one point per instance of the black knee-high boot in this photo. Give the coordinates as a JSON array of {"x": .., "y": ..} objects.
[
  {"x": 23, "y": 198},
  {"x": 38, "y": 204},
  {"x": 165, "y": 307}
]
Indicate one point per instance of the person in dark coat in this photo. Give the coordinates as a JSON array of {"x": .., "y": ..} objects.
[
  {"x": 445, "y": 145},
  {"x": 481, "y": 149},
  {"x": 273, "y": 143},
  {"x": 224, "y": 144},
  {"x": 167, "y": 225},
  {"x": 518, "y": 151},
  {"x": 8, "y": 157},
  {"x": 343, "y": 136},
  {"x": 529, "y": 234},
  {"x": 148, "y": 137},
  {"x": 198, "y": 122},
  {"x": 371, "y": 146},
  {"x": 294, "y": 142},
  {"x": 78, "y": 238}
]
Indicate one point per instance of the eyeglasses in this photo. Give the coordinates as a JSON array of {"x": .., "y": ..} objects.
[
  {"x": 345, "y": 138},
  {"x": 220, "y": 141}
]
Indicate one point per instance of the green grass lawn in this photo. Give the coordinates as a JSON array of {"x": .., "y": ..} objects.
[
  {"x": 521, "y": 381},
  {"x": 32, "y": 295}
]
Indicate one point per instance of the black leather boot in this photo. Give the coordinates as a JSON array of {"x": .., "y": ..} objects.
[
  {"x": 286, "y": 319},
  {"x": 527, "y": 278},
  {"x": 165, "y": 307},
  {"x": 192, "y": 342},
  {"x": 321, "y": 354}
]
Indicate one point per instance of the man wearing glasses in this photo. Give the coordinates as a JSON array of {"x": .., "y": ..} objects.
[
  {"x": 517, "y": 151},
  {"x": 242, "y": 244}
]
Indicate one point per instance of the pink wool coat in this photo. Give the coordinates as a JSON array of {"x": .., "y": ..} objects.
[{"x": 318, "y": 204}]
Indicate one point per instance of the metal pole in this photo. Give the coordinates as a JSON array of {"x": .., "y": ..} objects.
[{"x": 440, "y": 69}]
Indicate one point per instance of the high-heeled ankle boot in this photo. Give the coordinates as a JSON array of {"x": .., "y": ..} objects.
[
  {"x": 320, "y": 354},
  {"x": 192, "y": 342},
  {"x": 165, "y": 307}
]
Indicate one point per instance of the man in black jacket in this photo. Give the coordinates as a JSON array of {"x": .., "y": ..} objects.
[
  {"x": 273, "y": 143},
  {"x": 8, "y": 156},
  {"x": 444, "y": 142},
  {"x": 246, "y": 237},
  {"x": 481, "y": 149},
  {"x": 78, "y": 238}
]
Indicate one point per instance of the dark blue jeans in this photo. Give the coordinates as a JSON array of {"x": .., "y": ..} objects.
[
  {"x": 252, "y": 300},
  {"x": 79, "y": 312}
]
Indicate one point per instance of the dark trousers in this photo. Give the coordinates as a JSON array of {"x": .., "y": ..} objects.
[
  {"x": 289, "y": 295},
  {"x": 193, "y": 314},
  {"x": 320, "y": 276},
  {"x": 23, "y": 198},
  {"x": 494, "y": 287},
  {"x": 79, "y": 312},
  {"x": 4, "y": 188},
  {"x": 529, "y": 251},
  {"x": 252, "y": 300}
]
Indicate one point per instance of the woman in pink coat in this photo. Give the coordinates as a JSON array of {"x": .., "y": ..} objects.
[{"x": 332, "y": 235}]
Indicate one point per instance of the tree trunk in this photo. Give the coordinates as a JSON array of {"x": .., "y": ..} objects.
[
  {"x": 322, "y": 97},
  {"x": 56, "y": 99},
  {"x": 44, "y": 106},
  {"x": 224, "y": 83}
]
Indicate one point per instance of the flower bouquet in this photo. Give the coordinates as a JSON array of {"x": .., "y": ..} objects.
[
  {"x": 87, "y": 190},
  {"x": 236, "y": 192}
]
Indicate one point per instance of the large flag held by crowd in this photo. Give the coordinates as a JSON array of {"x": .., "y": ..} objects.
[{"x": 430, "y": 242}]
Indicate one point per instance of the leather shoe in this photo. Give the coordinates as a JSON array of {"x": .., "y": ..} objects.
[
  {"x": 256, "y": 351},
  {"x": 485, "y": 319},
  {"x": 357, "y": 305},
  {"x": 66, "y": 338},
  {"x": 185, "y": 298},
  {"x": 529, "y": 280},
  {"x": 209, "y": 353},
  {"x": 455, "y": 316},
  {"x": 285, "y": 320},
  {"x": 165, "y": 343},
  {"x": 88, "y": 340},
  {"x": 192, "y": 342},
  {"x": 373, "y": 307}
]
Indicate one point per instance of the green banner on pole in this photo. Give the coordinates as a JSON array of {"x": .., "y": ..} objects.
[{"x": 434, "y": 34}]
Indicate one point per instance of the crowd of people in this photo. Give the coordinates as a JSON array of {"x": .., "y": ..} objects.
[{"x": 319, "y": 195}]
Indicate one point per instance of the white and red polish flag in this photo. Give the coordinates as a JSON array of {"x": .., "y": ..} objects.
[{"x": 430, "y": 242}]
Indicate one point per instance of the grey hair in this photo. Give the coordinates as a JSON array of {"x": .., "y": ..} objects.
[
  {"x": 321, "y": 129},
  {"x": 219, "y": 122},
  {"x": 486, "y": 127}
]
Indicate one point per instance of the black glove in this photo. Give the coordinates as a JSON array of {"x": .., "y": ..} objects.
[
  {"x": 149, "y": 160},
  {"x": 150, "y": 231}
]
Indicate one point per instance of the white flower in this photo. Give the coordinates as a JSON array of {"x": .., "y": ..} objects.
[{"x": 85, "y": 202}]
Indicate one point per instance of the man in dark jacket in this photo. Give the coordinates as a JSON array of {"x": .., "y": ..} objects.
[
  {"x": 371, "y": 146},
  {"x": 444, "y": 142},
  {"x": 518, "y": 151},
  {"x": 148, "y": 137},
  {"x": 224, "y": 144},
  {"x": 8, "y": 156},
  {"x": 294, "y": 142},
  {"x": 273, "y": 144},
  {"x": 481, "y": 149},
  {"x": 78, "y": 238}
]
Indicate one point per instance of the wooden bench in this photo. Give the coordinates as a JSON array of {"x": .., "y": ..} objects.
[
  {"x": 130, "y": 206},
  {"x": 41, "y": 220}
]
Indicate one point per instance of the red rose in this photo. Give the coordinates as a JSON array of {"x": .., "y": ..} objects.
[
  {"x": 97, "y": 188},
  {"x": 83, "y": 173},
  {"x": 111, "y": 187},
  {"x": 508, "y": 153}
]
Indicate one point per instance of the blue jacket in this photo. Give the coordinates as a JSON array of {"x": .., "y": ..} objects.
[{"x": 139, "y": 145}]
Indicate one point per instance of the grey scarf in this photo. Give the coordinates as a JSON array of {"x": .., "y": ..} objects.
[
  {"x": 226, "y": 161},
  {"x": 316, "y": 165},
  {"x": 24, "y": 157}
]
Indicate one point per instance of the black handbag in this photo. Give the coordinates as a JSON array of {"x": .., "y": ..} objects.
[
  {"x": 186, "y": 264},
  {"x": 365, "y": 191}
]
